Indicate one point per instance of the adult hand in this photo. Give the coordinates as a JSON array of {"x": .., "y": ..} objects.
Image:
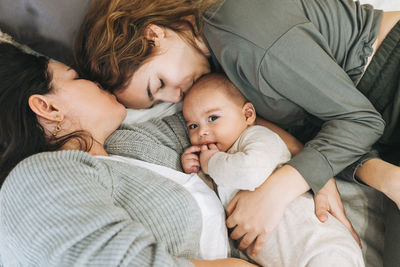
[
  {"x": 228, "y": 262},
  {"x": 190, "y": 159},
  {"x": 328, "y": 200},
  {"x": 207, "y": 151},
  {"x": 255, "y": 214}
]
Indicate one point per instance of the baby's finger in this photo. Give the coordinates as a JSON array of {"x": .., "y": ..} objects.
[
  {"x": 204, "y": 148},
  {"x": 194, "y": 169},
  {"x": 190, "y": 156},
  {"x": 192, "y": 149},
  {"x": 195, "y": 162},
  {"x": 212, "y": 146}
]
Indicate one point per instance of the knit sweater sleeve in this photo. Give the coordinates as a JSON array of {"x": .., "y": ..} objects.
[
  {"x": 253, "y": 157},
  {"x": 57, "y": 210},
  {"x": 158, "y": 141}
]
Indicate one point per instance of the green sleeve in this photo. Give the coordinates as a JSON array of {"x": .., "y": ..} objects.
[{"x": 299, "y": 67}]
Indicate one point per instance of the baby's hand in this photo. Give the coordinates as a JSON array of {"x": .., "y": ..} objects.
[
  {"x": 207, "y": 151},
  {"x": 190, "y": 160}
]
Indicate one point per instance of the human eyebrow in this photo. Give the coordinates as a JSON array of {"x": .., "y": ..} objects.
[{"x": 212, "y": 110}]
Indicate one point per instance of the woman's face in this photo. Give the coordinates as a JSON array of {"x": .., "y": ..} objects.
[
  {"x": 84, "y": 105},
  {"x": 167, "y": 75}
]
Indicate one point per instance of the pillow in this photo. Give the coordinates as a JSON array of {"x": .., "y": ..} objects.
[
  {"x": 47, "y": 26},
  {"x": 8, "y": 39},
  {"x": 386, "y": 5}
]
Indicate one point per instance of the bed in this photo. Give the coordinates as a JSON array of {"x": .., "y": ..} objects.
[{"x": 49, "y": 26}]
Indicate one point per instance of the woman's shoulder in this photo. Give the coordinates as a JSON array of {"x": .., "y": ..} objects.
[
  {"x": 268, "y": 20},
  {"x": 53, "y": 159},
  {"x": 48, "y": 167}
]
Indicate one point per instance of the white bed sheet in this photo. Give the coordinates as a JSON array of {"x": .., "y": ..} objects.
[{"x": 387, "y": 5}]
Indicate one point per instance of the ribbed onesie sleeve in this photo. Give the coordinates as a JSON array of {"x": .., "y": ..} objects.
[{"x": 251, "y": 159}]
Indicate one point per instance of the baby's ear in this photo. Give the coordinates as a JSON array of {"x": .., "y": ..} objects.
[{"x": 249, "y": 112}]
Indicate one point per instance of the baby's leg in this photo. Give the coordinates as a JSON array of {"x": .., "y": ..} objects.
[
  {"x": 302, "y": 240},
  {"x": 382, "y": 176}
]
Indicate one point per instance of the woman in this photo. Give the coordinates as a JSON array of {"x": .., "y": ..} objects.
[
  {"x": 64, "y": 201},
  {"x": 297, "y": 61}
]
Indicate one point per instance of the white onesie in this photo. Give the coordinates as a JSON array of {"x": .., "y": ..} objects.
[{"x": 299, "y": 239}]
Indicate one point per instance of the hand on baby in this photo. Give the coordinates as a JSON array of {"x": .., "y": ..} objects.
[
  {"x": 328, "y": 200},
  {"x": 192, "y": 161}
]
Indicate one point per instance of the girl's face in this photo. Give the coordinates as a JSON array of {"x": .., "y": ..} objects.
[
  {"x": 84, "y": 105},
  {"x": 172, "y": 69}
]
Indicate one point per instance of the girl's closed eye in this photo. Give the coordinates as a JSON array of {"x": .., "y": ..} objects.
[{"x": 212, "y": 118}]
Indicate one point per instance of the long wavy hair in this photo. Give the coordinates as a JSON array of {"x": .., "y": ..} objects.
[
  {"x": 111, "y": 43},
  {"x": 21, "y": 135}
]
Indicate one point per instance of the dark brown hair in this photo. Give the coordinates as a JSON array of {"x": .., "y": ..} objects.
[
  {"x": 21, "y": 76},
  {"x": 111, "y": 44}
]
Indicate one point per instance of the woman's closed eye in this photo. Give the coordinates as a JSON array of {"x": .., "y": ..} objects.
[{"x": 212, "y": 118}]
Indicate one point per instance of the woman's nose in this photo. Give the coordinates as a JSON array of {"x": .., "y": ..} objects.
[{"x": 173, "y": 95}]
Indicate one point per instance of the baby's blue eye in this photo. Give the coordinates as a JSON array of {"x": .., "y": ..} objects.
[
  {"x": 192, "y": 126},
  {"x": 212, "y": 118}
]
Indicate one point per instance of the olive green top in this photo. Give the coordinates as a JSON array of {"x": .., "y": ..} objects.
[{"x": 298, "y": 59}]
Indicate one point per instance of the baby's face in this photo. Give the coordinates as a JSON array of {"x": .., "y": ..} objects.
[{"x": 211, "y": 117}]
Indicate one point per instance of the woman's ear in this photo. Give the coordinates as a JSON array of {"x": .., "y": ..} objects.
[
  {"x": 154, "y": 33},
  {"x": 249, "y": 112},
  {"x": 45, "y": 109}
]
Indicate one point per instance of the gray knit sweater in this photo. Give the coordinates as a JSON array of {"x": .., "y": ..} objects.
[{"x": 69, "y": 208}]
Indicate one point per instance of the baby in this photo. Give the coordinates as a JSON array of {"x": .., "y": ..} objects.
[
  {"x": 235, "y": 152},
  {"x": 239, "y": 155}
]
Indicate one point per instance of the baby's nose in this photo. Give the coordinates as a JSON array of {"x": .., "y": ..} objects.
[{"x": 203, "y": 131}]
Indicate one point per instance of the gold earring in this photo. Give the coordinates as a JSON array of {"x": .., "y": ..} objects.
[{"x": 57, "y": 129}]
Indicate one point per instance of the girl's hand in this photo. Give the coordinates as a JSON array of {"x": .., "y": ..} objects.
[
  {"x": 207, "y": 151},
  {"x": 190, "y": 159},
  {"x": 328, "y": 200},
  {"x": 255, "y": 214}
]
